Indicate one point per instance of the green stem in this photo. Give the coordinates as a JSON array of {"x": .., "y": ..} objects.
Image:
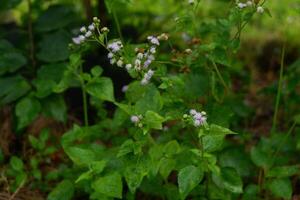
[
  {"x": 278, "y": 91},
  {"x": 117, "y": 24},
  {"x": 220, "y": 77},
  {"x": 283, "y": 141}
]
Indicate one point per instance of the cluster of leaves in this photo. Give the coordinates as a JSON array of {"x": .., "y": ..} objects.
[{"x": 165, "y": 156}]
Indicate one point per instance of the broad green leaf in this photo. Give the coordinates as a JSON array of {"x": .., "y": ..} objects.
[
  {"x": 171, "y": 148},
  {"x": 150, "y": 101},
  {"x": 237, "y": 158},
  {"x": 54, "y": 47},
  {"x": 260, "y": 158},
  {"x": 55, "y": 17},
  {"x": 11, "y": 61},
  {"x": 109, "y": 185},
  {"x": 134, "y": 175},
  {"x": 98, "y": 166},
  {"x": 281, "y": 188},
  {"x": 212, "y": 142},
  {"x": 48, "y": 76},
  {"x": 188, "y": 178},
  {"x": 80, "y": 156},
  {"x": 63, "y": 191},
  {"x": 153, "y": 120},
  {"x": 283, "y": 171},
  {"x": 229, "y": 179},
  {"x": 12, "y": 88},
  {"x": 101, "y": 88},
  {"x": 27, "y": 109},
  {"x": 16, "y": 163},
  {"x": 54, "y": 106},
  {"x": 166, "y": 166}
]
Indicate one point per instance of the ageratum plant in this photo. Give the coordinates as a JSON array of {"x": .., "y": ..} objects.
[{"x": 160, "y": 140}]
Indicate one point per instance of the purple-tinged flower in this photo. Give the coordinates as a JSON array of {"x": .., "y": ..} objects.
[
  {"x": 134, "y": 119},
  {"x": 124, "y": 88},
  {"x": 91, "y": 27}
]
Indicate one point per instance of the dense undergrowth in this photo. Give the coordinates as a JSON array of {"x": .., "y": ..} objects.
[{"x": 143, "y": 99}]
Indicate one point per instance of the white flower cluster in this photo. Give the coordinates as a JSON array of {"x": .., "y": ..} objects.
[
  {"x": 249, "y": 3},
  {"x": 199, "y": 118},
  {"x": 136, "y": 119},
  {"x": 191, "y": 2},
  {"x": 84, "y": 33},
  {"x": 142, "y": 60},
  {"x": 147, "y": 77},
  {"x": 114, "y": 54},
  {"x": 88, "y": 32}
]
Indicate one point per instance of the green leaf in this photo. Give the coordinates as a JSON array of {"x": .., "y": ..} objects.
[
  {"x": 55, "y": 17},
  {"x": 229, "y": 179},
  {"x": 166, "y": 165},
  {"x": 54, "y": 106},
  {"x": 101, "y": 88},
  {"x": 188, "y": 178},
  {"x": 283, "y": 171},
  {"x": 96, "y": 71},
  {"x": 153, "y": 120},
  {"x": 281, "y": 188},
  {"x": 171, "y": 148},
  {"x": 134, "y": 175},
  {"x": 149, "y": 101},
  {"x": 27, "y": 109},
  {"x": 12, "y": 88},
  {"x": 98, "y": 166},
  {"x": 84, "y": 176},
  {"x": 63, "y": 191},
  {"x": 213, "y": 143},
  {"x": 219, "y": 130},
  {"x": 34, "y": 142},
  {"x": 297, "y": 119},
  {"x": 54, "y": 47},
  {"x": 48, "y": 76},
  {"x": 80, "y": 156},
  {"x": 260, "y": 158},
  {"x": 109, "y": 185},
  {"x": 16, "y": 163},
  {"x": 237, "y": 158},
  {"x": 10, "y": 61}
]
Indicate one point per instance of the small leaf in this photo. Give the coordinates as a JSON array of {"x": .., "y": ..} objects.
[
  {"x": 171, "y": 148},
  {"x": 27, "y": 110},
  {"x": 283, "y": 171},
  {"x": 101, "y": 88},
  {"x": 281, "y": 188},
  {"x": 229, "y": 179},
  {"x": 16, "y": 164},
  {"x": 96, "y": 71},
  {"x": 166, "y": 165},
  {"x": 188, "y": 178},
  {"x": 109, "y": 185},
  {"x": 153, "y": 120},
  {"x": 134, "y": 176},
  {"x": 80, "y": 156},
  {"x": 63, "y": 191},
  {"x": 8, "y": 85},
  {"x": 260, "y": 158}
]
